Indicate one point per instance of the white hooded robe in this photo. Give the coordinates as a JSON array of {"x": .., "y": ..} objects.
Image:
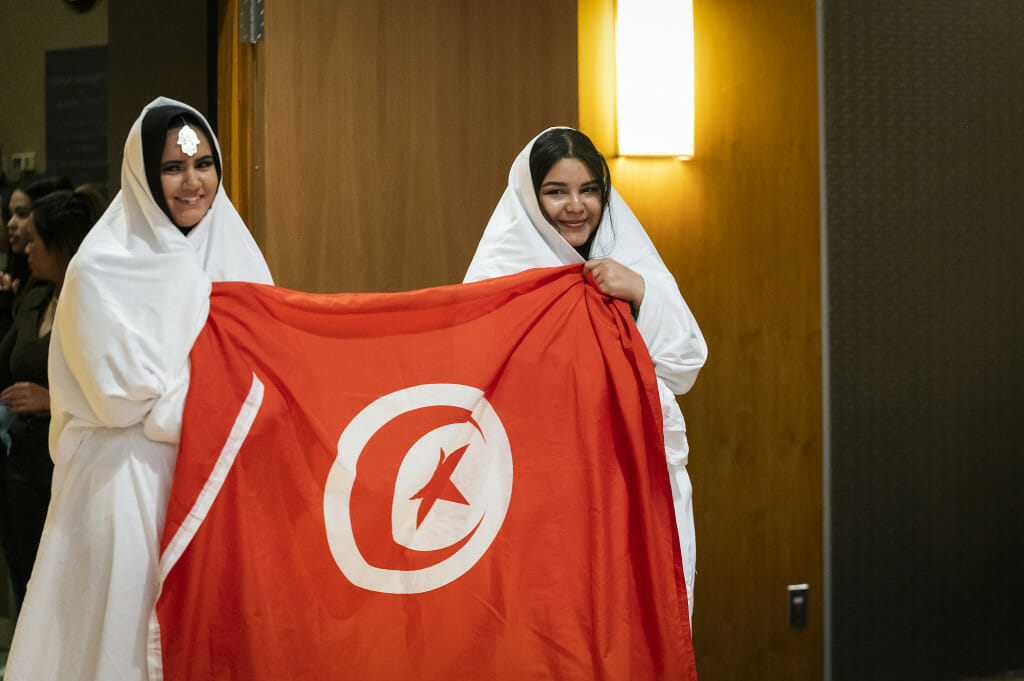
[
  {"x": 134, "y": 299},
  {"x": 518, "y": 237}
]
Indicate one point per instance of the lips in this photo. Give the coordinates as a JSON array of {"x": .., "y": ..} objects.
[{"x": 573, "y": 226}]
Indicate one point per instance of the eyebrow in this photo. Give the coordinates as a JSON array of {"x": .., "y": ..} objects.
[
  {"x": 553, "y": 183},
  {"x": 181, "y": 160}
]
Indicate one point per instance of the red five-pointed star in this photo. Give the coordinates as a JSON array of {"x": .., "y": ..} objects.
[{"x": 440, "y": 485}]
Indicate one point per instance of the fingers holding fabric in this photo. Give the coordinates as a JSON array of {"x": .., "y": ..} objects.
[{"x": 616, "y": 280}]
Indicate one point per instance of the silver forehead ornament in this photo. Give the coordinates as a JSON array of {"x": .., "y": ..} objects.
[{"x": 188, "y": 140}]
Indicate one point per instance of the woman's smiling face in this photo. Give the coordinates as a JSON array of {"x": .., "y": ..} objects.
[
  {"x": 189, "y": 181},
  {"x": 570, "y": 198}
]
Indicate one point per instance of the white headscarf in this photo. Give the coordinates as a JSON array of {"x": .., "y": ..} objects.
[{"x": 134, "y": 299}]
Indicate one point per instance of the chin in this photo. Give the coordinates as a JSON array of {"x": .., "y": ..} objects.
[
  {"x": 189, "y": 219},
  {"x": 577, "y": 239}
]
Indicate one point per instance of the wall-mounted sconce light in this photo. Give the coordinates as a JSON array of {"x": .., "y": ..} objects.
[{"x": 654, "y": 77}]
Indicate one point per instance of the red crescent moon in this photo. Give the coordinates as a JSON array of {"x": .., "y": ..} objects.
[{"x": 373, "y": 490}]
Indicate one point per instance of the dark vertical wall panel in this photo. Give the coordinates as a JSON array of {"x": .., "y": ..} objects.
[
  {"x": 154, "y": 48},
  {"x": 76, "y": 113},
  {"x": 924, "y": 149}
]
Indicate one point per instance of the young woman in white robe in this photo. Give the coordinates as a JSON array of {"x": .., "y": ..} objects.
[
  {"x": 135, "y": 297},
  {"x": 560, "y": 209}
]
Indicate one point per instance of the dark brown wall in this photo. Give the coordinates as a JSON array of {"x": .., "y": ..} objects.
[
  {"x": 925, "y": 186},
  {"x": 154, "y": 48},
  {"x": 28, "y": 30}
]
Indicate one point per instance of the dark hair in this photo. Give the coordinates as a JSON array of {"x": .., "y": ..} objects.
[
  {"x": 12, "y": 266},
  {"x": 5, "y": 204},
  {"x": 155, "y": 126},
  {"x": 558, "y": 143},
  {"x": 5, "y": 207},
  {"x": 62, "y": 219},
  {"x": 37, "y": 188},
  {"x": 95, "y": 196}
]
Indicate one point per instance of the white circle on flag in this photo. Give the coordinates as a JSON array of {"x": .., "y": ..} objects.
[{"x": 481, "y": 474}]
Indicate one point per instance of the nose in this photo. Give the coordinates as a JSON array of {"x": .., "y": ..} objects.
[
  {"x": 575, "y": 202},
  {"x": 191, "y": 177}
]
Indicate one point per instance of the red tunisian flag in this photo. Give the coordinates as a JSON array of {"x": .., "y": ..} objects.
[{"x": 465, "y": 482}]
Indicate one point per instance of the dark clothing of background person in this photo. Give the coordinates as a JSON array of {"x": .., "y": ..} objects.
[{"x": 28, "y": 469}]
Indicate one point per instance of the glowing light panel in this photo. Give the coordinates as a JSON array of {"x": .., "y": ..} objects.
[{"x": 654, "y": 77}]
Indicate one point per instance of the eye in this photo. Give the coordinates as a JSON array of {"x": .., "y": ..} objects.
[
  {"x": 172, "y": 167},
  {"x": 205, "y": 162}
]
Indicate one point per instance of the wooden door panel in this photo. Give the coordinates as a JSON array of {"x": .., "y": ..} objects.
[{"x": 387, "y": 130}]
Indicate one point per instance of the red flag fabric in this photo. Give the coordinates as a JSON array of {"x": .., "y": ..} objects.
[{"x": 465, "y": 482}]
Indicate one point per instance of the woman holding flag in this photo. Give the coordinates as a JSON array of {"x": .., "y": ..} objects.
[
  {"x": 134, "y": 299},
  {"x": 559, "y": 209}
]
